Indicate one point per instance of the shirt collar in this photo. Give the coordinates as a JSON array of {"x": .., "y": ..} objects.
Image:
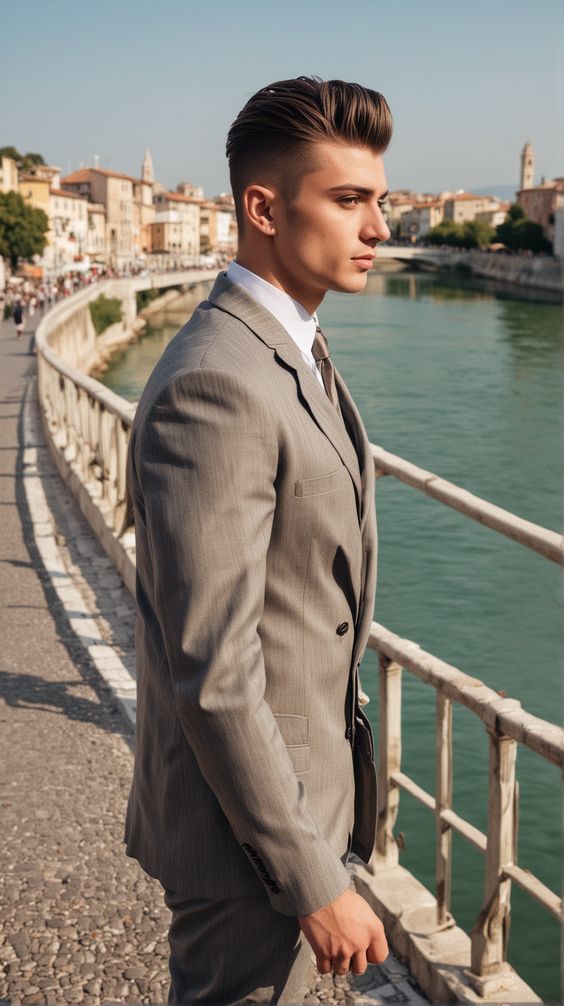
[{"x": 289, "y": 312}]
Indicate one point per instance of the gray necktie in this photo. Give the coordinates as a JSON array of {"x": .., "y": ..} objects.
[{"x": 320, "y": 350}]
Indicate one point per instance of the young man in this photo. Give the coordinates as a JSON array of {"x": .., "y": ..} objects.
[{"x": 253, "y": 491}]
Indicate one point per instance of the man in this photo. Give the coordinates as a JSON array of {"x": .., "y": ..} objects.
[{"x": 253, "y": 491}]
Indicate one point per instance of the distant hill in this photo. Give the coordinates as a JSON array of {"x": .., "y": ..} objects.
[{"x": 505, "y": 192}]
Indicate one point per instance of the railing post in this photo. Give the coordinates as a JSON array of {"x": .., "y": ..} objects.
[
  {"x": 386, "y": 853},
  {"x": 490, "y": 934},
  {"x": 443, "y": 801}
]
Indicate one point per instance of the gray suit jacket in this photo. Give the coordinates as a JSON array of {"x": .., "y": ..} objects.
[{"x": 256, "y": 574}]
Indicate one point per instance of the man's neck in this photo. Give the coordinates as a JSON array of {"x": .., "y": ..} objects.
[{"x": 309, "y": 300}]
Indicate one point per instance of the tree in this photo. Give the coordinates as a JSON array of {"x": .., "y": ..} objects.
[
  {"x": 476, "y": 234},
  {"x": 25, "y": 162},
  {"x": 517, "y": 232},
  {"x": 23, "y": 228},
  {"x": 446, "y": 233},
  {"x": 105, "y": 311}
]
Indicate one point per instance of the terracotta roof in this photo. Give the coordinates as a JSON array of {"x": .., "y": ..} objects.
[
  {"x": 84, "y": 174},
  {"x": 555, "y": 184},
  {"x": 27, "y": 177},
  {"x": 177, "y": 197},
  {"x": 69, "y": 195},
  {"x": 466, "y": 195}
]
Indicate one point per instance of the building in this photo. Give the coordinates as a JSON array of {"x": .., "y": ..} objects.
[
  {"x": 416, "y": 221},
  {"x": 50, "y": 172},
  {"x": 96, "y": 234},
  {"x": 115, "y": 192},
  {"x": 35, "y": 191},
  {"x": 176, "y": 226},
  {"x": 495, "y": 215},
  {"x": 187, "y": 189},
  {"x": 540, "y": 203},
  {"x": 8, "y": 175},
  {"x": 464, "y": 206},
  {"x": 68, "y": 218},
  {"x": 559, "y": 233},
  {"x": 208, "y": 226},
  {"x": 67, "y": 213},
  {"x": 225, "y": 224},
  {"x": 398, "y": 203},
  {"x": 218, "y": 225}
]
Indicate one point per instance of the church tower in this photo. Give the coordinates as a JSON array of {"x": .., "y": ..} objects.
[
  {"x": 527, "y": 167},
  {"x": 147, "y": 167}
]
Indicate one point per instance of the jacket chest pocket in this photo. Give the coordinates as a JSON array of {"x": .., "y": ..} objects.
[{"x": 321, "y": 484}]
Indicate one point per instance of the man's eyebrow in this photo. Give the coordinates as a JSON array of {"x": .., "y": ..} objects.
[{"x": 358, "y": 188}]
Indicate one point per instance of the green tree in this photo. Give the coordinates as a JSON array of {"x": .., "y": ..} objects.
[
  {"x": 105, "y": 311},
  {"x": 446, "y": 233},
  {"x": 25, "y": 162},
  {"x": 23, "y": 229},
  {"x": 518, "y": 232},
  {"x": 477, "y": 234}
]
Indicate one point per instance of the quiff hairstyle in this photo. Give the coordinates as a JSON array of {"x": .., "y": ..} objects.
[{"x": 271, "y": 138}]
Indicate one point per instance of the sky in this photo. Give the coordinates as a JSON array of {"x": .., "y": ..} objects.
[{"x": 467, "y": 83}]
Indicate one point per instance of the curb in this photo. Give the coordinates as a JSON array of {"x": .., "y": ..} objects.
[{"x": 107, "y": 662}]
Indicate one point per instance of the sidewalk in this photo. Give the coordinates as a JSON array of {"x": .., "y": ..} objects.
[{"x": 79, "y": 921}]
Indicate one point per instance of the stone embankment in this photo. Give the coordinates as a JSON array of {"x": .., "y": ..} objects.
[{"x": 533, "y": 272}]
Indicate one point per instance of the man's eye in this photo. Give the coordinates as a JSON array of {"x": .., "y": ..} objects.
[
  {"x": 383, "y": 205},
  {"x": 350, "y": 200}
]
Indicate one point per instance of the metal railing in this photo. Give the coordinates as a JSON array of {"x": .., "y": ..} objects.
[
  {"x": 89, "y": 425},
  {"x": 507, "y": 725}
]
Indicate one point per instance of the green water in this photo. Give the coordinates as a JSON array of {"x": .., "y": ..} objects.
[{"x": 464, "y": 379}]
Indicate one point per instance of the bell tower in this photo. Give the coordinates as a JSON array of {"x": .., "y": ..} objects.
[
  {"x": 527, "y": 167},
  {"x": 147, "y": 167}
]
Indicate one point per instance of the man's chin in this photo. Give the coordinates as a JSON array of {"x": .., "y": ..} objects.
[{"x": 350, "y": 284}]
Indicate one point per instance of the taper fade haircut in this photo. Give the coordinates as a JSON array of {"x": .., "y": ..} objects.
[{"x": 271, "y": 138}]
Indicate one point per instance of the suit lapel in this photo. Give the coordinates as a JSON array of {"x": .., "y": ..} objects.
[{"x": 234, "y": 300}]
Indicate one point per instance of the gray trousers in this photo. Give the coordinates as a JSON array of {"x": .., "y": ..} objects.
[{"x": 234, "y": 951}]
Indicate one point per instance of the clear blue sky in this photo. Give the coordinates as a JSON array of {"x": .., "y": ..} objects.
[{"x": 467, "y": 82}]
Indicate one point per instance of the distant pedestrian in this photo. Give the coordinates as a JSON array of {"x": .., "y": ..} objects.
[{"x": 19, "y": 318}]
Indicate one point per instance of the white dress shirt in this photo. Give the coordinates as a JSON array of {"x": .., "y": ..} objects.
[{"x": 299, "y": 324}]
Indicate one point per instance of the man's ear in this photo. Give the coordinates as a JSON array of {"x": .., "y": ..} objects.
[{"x": 258, "y": 207}]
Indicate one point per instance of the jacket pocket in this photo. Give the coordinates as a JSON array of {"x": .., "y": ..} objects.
[
  {"x": 294, "y": 730},
  {"x": 322, "y": 483}
]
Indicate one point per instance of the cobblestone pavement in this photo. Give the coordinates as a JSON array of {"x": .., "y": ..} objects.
[{"x": 79, "y": 921}]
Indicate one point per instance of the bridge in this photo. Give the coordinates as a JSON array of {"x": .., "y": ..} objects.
[{"x": 85, "y": 428}]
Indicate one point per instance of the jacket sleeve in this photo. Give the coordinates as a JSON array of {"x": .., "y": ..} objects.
[{"x": 206, "y": 459}]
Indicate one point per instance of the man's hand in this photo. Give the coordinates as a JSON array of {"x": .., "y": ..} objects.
[{"x": 345, "y": 935}]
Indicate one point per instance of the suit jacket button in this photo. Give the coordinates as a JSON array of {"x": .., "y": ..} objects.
[
  {"x": 348, "y": 733},
  {"x": 342, "y": 628}
]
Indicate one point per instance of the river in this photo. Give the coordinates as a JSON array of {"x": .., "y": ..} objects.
[{"x": 463, "y": 378}]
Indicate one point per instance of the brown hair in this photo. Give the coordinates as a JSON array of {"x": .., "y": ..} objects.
[{"x": 273, "y": 132}]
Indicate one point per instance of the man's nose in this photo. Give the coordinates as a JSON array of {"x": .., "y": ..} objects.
[{"x": 376, "y": 227}]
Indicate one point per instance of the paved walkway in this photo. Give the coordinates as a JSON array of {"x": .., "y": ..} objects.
[{"x": 79, "y": 921}]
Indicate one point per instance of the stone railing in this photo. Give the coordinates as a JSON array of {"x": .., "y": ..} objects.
[{"x": 87, "y": 427}]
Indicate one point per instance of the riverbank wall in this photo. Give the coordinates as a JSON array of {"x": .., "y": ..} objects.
[{"x": 533, "y": 272}]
